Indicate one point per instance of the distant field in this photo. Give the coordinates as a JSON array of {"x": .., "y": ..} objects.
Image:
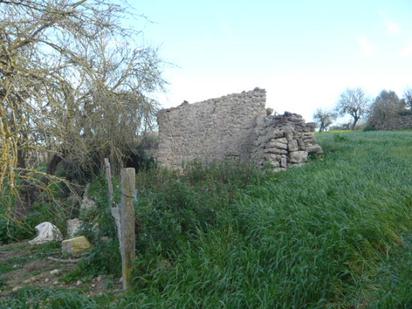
[{"x": 335, "y": 233}]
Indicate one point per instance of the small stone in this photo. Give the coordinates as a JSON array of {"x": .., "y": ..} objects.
[
  {"x": 29, "y": 280},
  {"x": 284, "y": 162},
  {"x": 75, "y": 246},
  {"x": 289, "y": 135},
  {"x": 274, "y": 164},
  {"x": 16, "y": 288},
  {"x": 298, "y": 156},
  {"x": 272, "y": 157},
  {"x": 293, "y": 145},
  {"x": 73, "y": 227},
  {"x": 276, "y": 145},
  {"x": 78, "y": 282},
  {"x": 311, "y": 126},
  {"x": 46, "y": 280},
  {"x": 55, "y": 272},
  {"x": 87, "y": 205},
  {"x": 282, "y": 140},
  {"x": 46, "y": 232},
  {"x": 315, "y": 149},
  {"x": 275, "y": 133},
  {"x": 301, "y": 144},
  {"x": 55, "y": 282}
]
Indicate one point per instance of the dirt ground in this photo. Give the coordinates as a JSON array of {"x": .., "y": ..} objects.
[{"x": 25, "y": 265}]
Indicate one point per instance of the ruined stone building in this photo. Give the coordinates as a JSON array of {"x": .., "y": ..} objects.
[{"x": 236, "y": 126}]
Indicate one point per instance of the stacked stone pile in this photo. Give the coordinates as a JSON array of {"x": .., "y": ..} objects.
[{"x": 283, "y": 140}]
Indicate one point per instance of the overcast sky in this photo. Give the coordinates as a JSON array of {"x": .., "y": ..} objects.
[{"x": 304, "y": 53}]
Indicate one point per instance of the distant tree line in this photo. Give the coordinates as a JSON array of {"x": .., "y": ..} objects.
[{"x": 386, "y": 108}]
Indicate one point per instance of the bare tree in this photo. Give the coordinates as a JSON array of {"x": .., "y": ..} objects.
[
  {"x": 72, "y": 83},
  {"x": 324, "y": 119},
  {"x": 353, "y": 102}
]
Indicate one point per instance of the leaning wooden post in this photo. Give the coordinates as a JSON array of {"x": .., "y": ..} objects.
[
  {"x": 109, "y": 182},
  {"x": 114, "y": 210},
  {"x": 127, "y": 224}
]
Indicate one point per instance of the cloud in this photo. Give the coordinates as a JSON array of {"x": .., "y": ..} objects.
[
  {"x": 366, "y": 47},
  {"x": 392, "y": 27},
  {"x": 406, "y": 51}
]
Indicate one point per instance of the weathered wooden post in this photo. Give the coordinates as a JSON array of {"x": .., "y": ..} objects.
[
  {"x": 127, "y": 223},
  {"x": 109, "y": 182},
  {"x": 124, "y": 217},
  {"x": 114, "y": 210}
]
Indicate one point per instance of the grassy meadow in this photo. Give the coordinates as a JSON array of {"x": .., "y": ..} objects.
[{"x": 335, "y": 233}]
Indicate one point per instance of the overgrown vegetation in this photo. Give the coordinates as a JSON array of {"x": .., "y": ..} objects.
[
  {"x": 335, "y": 233},
  {"x": 75, "y": 87}
]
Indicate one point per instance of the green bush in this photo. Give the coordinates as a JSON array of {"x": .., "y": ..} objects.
[{"x": 174, "y": 208}]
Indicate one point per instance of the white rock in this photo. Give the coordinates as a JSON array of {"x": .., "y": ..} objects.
[
  {"x": 73, "y": 227},
  {"x": 46, "y": 232}
]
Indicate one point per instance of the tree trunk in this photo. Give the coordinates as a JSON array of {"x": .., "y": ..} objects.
[{"x": 355, "y": 121}]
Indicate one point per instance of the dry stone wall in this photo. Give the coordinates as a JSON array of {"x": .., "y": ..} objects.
[
  {"x": 214, "y": 129},
  {"x": 235, "y": 126},
  {"x": 283, "y": 140}
]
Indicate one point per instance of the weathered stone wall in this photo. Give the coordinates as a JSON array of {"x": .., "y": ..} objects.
[
  {"x": 237, "y": 127},
  {"x": 214, "y": 129},
  {"x": 283, "y": 140}
]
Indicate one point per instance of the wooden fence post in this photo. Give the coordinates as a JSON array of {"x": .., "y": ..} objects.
[
  {"x": 114, "y": 209},
  {"x": 127, "y": 223},
  {"x": 109, "y": 182}
]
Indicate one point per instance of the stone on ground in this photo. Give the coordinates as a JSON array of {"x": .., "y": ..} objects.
[
  {"x": 46, "y": 232},
  {"x": 75, "y": 246},
  {"x": 87, "y": 204},
  {"x": 73, "y": 227}
]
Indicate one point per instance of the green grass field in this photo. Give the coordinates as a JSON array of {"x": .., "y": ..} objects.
[{"x": 335, "y": 233}]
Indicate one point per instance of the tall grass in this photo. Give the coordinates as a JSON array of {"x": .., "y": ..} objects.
[
  {"x": 315, "y": 236},
  {"x": 329, "y": 234}
]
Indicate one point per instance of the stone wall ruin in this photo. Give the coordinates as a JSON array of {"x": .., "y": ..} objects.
[{"x": 237, "y": 127}]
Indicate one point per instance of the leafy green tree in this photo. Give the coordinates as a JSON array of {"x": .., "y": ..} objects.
[{"x": 385, "y": 110}]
